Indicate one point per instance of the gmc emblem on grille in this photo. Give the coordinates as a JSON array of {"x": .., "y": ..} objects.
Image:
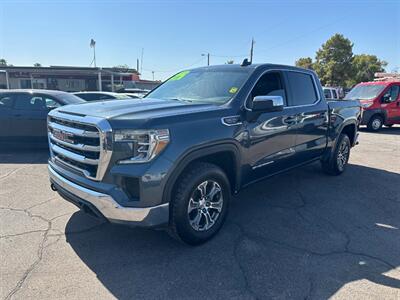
[{"x": 63, "y": 136}]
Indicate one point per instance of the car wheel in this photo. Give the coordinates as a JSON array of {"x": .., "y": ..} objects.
[
  {"x": 200, "y": 203},
  {"x": 375, "y": 124},
  {"x": 337, "y": 163}
]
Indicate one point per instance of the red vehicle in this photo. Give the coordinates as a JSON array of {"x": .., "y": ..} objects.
[{"x": 380, "y": 101}]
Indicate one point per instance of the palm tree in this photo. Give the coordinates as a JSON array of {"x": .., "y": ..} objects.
[{"x": 3, "y": 62}]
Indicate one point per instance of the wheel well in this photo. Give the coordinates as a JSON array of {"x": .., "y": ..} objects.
[
  {"x": 224, "y": 159},
  {"x": 378, "y": 114},
  {"x": 350, "y": 131}
]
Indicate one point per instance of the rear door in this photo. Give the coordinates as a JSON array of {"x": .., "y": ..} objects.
[
  {"x": 271, "y": 134},
  {"x": 311, "y": 116},
  {"x": 392, "y": 107},
  {"x": 6, "y": 113}
]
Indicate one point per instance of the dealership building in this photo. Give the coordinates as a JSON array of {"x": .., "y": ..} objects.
[{"x": 72, "y": 79}]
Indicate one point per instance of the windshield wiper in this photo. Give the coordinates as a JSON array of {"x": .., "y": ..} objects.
[{"x": 180, "y": 99}]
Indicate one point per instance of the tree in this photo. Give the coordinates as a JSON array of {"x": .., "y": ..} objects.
[
  {"x": 305, "y": 62},
  {"x": 3, "y": 62},
  {"x": 334, "y": 61},
  {"x": 230, "y": 62},
  {"x": 37, "y": 65},
  {"x": 364, "y": 67}
]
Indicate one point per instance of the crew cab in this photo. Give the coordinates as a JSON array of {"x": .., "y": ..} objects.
[
  {"x": 174, "y": 158},
  {"x": 380, "y": 101}
]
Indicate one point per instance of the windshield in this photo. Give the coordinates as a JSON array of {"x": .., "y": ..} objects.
[
  {"x": 70, "y": 99},
  {"x": 365, "y": 92},
  {"x": 202, "y": 85}
]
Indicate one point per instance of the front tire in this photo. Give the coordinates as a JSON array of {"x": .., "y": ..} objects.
[
  {"x": 337, "y": 163},
  {"x": 200, "y": 204},
  {"x": 375, "y": 123}
]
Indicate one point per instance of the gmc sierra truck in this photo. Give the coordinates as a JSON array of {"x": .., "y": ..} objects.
[{"x": 174, "y": 158}]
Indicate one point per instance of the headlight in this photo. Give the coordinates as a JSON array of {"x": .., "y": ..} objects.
[
  {"x": 146, "y": 144},
  {"x": 367, "y": 104}
]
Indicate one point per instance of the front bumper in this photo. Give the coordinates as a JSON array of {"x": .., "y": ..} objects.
[{"x": 106, "y": 206}]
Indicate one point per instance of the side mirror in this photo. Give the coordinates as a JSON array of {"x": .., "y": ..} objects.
[{"x": 267, "y": 103}]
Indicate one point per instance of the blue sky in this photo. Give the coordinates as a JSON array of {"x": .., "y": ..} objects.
[{"x": 173, "y": 34}]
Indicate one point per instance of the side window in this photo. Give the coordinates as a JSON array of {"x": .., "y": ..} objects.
[
  {"x": 51, "y": 103},
  {"x": 393, "y": 93},
  {"x": 6, "y": 101},
  {"x": 327, "y": 94},
  {"x": 335, "y": 96},
  {"x": 30, "y": 102},
  {"x": 270, "y": 84},
  {"x": 302, "y": 87}
]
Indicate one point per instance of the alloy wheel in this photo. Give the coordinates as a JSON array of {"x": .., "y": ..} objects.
[{"x": 205, "y": 205}]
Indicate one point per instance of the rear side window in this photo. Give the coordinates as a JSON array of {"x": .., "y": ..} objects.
[
  {"x": 6, "y": 101},
  {"x": 302, "y": 87}
]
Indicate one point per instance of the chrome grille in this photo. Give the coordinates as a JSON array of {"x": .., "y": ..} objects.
[{"x": 80, "y": 143}]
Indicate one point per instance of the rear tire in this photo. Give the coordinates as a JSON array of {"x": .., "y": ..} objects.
[
  {"x": 337, "y": 163},
  {"x": 200, "y": 204},
  {"x": 375, "y": 123}
]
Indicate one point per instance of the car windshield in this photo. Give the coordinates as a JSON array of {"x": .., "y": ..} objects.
[
  {"x": 202, "y": 86},
  {"x": 70, "y": 99},
  {"x": 365, "y": 92}
]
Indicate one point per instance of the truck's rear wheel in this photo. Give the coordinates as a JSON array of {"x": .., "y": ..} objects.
[
  {"x": 200, "y": 204},
  {"x": 340, "y": 156},
  {"x": 375, "y": 123}
]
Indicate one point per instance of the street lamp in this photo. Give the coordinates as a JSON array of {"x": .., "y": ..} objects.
[
  {"x": 208, "y": 57},
  {"x": 93, "y": 45}
]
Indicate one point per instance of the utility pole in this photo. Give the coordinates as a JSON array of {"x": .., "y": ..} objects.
[
  {"x": 208, "y": 58},
  {"x": 141, "y": 63},
  {"x": 252, "y": 50},
  {"x": 137, "y": 65},
  {"x": 153, "y": 74}
]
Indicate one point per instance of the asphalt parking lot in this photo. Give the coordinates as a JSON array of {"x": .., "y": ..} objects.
[{"x": 298, "y": 235}]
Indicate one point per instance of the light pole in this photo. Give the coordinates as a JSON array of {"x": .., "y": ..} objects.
[
  {"x": 208, "y": 57},
  {"x": 93, "y": 45}
]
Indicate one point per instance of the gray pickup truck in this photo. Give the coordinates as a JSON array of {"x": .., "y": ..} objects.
[{"x": 174, "y": 158}]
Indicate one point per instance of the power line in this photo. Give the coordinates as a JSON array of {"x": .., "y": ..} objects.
[{"x": 174, "y": 70}]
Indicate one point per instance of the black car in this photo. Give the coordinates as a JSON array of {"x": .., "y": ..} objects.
[
  {"x": 23, "y": 114},
  {"x": 100, "y": 96}
]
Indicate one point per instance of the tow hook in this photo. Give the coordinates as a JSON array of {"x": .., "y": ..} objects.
[{"x": 53, "y": 187}]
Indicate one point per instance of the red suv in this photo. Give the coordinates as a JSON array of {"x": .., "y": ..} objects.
[{"x": 380, "y": 101}]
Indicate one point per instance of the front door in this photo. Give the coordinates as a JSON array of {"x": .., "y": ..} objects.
[
  {"x": 29, "y": 119},
  {"x": 392, "y": 106},
  {"x": 271, "y": 134}
]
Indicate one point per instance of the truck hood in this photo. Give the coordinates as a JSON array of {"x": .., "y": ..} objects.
[{"x": 136, "y": 108}]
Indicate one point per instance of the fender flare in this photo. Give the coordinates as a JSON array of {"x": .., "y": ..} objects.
[
  {"x": 339, "y": 130},
  {"x": 197, "y": 152}
]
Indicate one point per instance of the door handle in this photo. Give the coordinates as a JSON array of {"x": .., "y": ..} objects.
[{"x": 290, "y": 120}]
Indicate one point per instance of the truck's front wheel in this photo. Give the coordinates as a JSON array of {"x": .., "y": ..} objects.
[{"x": 200, "y": 203}]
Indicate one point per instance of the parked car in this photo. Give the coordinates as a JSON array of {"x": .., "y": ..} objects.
[
  {"x": 23, "y": 114},
  {"x": 380, "y": 101},
  {"x": 100, "y": 96},
  {"x": 204, "y": 134},
  {"x": 331, "y": 93},
  {"x": 134, "y": 93}
]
